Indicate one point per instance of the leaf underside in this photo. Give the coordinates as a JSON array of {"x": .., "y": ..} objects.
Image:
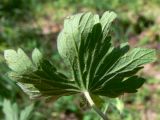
[{"x": 96, "y": 65}]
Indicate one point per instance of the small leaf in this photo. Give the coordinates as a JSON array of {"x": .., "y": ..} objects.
[
  {"x": 37, "y": 57},
  {"x": 26, "y": 113},
  {"x": 16, "y": 60},
  {"x": 10, "y": 110}
]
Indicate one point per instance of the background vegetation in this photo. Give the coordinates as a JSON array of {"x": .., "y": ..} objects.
[{"x": 36, "y": 23}]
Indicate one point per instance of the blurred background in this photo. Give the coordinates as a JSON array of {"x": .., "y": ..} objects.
[{"x": 36, "y": 23}]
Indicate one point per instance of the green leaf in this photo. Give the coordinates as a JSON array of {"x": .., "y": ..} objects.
[
  {"x": 10, "y": 110},
  {"x": 37, "y": 57},
  {"x": 16, "y": 60},
  {"x": 26, "y": 113},
  {"x": 96, "y": 65},
  {"x": 13, "y": 112},
  {"x": 41, "y": 79}
]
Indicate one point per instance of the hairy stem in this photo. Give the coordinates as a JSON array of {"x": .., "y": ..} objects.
[{"x": 91, "y": 103}]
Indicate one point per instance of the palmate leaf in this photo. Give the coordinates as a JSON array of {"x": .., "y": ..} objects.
[
  {"x": 37, "y": 77},
  {"x": 96, "y": 65}
]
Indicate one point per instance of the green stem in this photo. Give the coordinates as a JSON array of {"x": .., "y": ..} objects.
[{"x": 91, "y": 103}]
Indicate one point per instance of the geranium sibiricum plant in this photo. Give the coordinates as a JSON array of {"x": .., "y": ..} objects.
[{"x": 97, "y": 67}]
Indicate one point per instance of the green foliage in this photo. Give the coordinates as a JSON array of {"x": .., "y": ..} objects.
[
  {"x": 66, "y": 102},
  {"x": 11, "y": 111},
  {"x": 8, "y": 88},
  {"x": 17, "y": 8},
  {"x": 96, "y": 65},
  {"x": 17, "y": 17},
  {"x": 41, "y": 73},
  {"x": 15, "y": 36}
]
